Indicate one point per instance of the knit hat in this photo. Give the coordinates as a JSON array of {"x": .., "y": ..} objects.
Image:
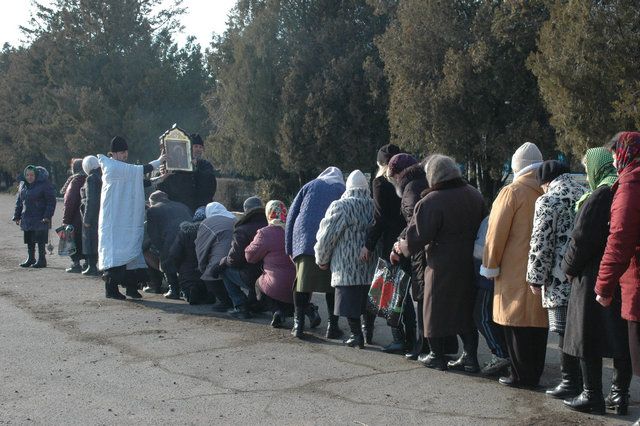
[
  {"x": 158, "y": 197},
  {"x": 90, "y": 162},
  {"x": 525, "y": 156},
  {"x": 386, "y": 153},
  {"x": 119, "y": 144},
  {"x": 399, "y": 163},
  {"x": 550, "y": 170},
  {"x": 251, "y": 203},
  {"x": 196, "y": 139},
  {"x": 357, "y": 180},
  {"x": 441, "y": 168}
]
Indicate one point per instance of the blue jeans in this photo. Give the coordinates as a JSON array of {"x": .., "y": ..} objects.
[{"x": 234, "y": 284}]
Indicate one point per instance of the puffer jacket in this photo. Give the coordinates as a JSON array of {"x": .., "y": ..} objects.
[
  {"x": 342, "y": 234},
  {"x": 35, "y": 202},
  {"x": 553, "y": 222}
]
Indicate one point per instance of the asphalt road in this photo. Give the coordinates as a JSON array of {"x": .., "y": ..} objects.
[{"x": 70, "y": 356}]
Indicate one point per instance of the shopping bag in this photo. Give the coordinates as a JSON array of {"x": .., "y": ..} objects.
[
  {"x": 67, "y": 244},
  {"x": 388, "y": 291}
]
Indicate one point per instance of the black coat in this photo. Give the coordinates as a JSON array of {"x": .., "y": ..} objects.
[
  {"x": 163, "y": 221},
  {"x": 592, "y": 330},
  {"x": 243, "y": 233},
  {"x": 388, "y": 220},
  {"x": 90, "y": 209},
  {"x": 35, "y": 202},
  {"x": 183, "y": 252},
  {"x": 193, "y": 189},
  {"x": 412, "y": 183}
]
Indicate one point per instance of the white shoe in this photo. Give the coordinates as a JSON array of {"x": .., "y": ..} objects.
[{"x": 495, "y": 366}]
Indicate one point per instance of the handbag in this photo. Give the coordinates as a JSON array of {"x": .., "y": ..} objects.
[
  {"x": 67, "y": 244},
  {"x": 387, "y": 292}
]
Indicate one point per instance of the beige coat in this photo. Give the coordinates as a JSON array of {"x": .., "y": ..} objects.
[{"x": 506, "y": 252}]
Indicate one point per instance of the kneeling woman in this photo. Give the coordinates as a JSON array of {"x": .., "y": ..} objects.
[
  {"x": 35, "y": 205},
  {"x": 342, "y": 233},
  {"x": 279, "y": 272}
]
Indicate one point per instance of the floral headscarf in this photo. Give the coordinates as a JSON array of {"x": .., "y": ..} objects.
[
  {"x": 627, "y": 149},
  {"x": 276, "y": 213}
]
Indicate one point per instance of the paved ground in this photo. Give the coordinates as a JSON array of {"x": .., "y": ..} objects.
[{"x": 71, "y": 356}]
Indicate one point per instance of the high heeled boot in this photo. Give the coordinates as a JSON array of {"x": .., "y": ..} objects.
[
  {"x": 591, "y": 399},
  {"x": 618, "y": 398},
  {"x": 571, "y": 383}
]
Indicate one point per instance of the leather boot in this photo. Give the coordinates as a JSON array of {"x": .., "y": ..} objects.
[
  {"x": 298, "y": 323},
  {"x": 397, "y": 346},
  {"x": 468, "y": 361},
  {"x": 31, "y": 253},
  {"x": 92, "y": 267},
  {"x": 571, "y": 385},
  {"x": 42, "y": 259},
  {"x": 618, "y": 398},
  {"x": 132, "y": 292},
  {"x": 111, "y": 288},
  {"x": 173, "y": 293},
  {"x": 357, "y": 338},
  {"x": 311, "y": 311},
  {"x": 367, "y": 327},
  {"x": 435, "y": 359},
  {"x": 333, "y": 329},
  {"x": 590, "y": 400},
  {"x": 420, "y": 347}
]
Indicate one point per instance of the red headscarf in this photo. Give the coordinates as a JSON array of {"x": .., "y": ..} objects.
[{"x": 627, "y": 150}]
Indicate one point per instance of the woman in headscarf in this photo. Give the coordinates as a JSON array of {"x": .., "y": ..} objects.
[
  {"x": 621, "y": 260},
  {"x": 305, "y": 214},
  {"x": 594, "y": 332},
  {"x": 279, "y": 272},
  {"x": 90, "y": 209},
  {"x": 341, "y": 235},
  {"x": 71, "y": 212},
  {"x": 35, "y": 205},
  {"x": 445, "y": 224},
  {"x": 552, "y": 225}
]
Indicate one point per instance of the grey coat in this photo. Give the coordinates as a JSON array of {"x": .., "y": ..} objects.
[{"x": 212, "y": 244}]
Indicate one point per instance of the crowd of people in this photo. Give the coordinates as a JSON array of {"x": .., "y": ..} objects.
[{"x": 551, "y": 255}]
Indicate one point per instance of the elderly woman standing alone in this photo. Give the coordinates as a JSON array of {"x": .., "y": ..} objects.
[
  {"x": 552, "y": 225},
  {"x": 35, "y": 205},
  {"x": 342, "y": 233},
  {"x": 445, "y": 225}
]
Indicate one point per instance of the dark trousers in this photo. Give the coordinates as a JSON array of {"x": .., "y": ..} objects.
[
  {"x": 483, "y": 317},
  {"x": 77, "y": 238},
  {"x": 301, "y": 301},
  {"x": 527, "y": 348},
  {"x": 634, "y": 346},
  {"x": 276, "y": 305}
]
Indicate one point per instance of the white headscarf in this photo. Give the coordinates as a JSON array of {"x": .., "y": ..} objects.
[
  {"x": 217, "y": 209},
  {"x": 90, "y": 162},
  {"x": 332, "y": 175}
]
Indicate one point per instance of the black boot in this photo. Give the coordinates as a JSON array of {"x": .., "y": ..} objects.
[
  {"x": 31, "y": 253},
  {"x": 468, "y": 361},
  {"x": 618, "y": 398},
  {"x": 435, "y": 359},
  {"x": 75, "y": 268},
  {"x": 132, "y": 292},
  {"x": 92, "y": 267},
  {"x": 356, "y": 338},
  {"x": 311, "y": 311},
  {"x": 111, "y": 288},
  {"x": 571, "y": 385},
  {"x": 298, "y": 323},
  {"x": 277, "y": 319},
  {"x": 367, "y": 327},
  {"x": 42, "y": 259},
  {"x": 590, "y": 400},
  {"x": 333, "y": 329},
  {"x": 173, "y": 293},
  {"x": 397, "y": 346}
]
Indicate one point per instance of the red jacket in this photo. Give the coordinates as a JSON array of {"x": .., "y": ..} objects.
[{"x": 621, "y": 260}]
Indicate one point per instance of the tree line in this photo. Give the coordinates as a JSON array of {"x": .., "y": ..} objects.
[{"x": 292, "y": 86}]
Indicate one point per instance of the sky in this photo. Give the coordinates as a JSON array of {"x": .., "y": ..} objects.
[{"x": 203, "y": 17}]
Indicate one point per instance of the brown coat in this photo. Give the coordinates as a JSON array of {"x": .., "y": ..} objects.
[
  {"x": 445, "y": 224},
  {"x": 506, "y": 252}
]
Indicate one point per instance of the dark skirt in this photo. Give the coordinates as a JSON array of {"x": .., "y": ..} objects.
[
  {"x": 351, "y": 300},
  {"x": 310, "y": 278},
  {"x": 634, "y": 346},
  {"x": 33, "y": 237}
]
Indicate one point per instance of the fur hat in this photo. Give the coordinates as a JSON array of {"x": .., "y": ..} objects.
[
  {"x": 119, "y": 144},
  {"x": 440, "y": 168},
  {"x": 528, "y": 154}
]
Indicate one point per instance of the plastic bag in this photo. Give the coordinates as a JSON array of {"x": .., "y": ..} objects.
[
  {"x": 67, "y": 244},
  {"x": 388, "y": 291}
]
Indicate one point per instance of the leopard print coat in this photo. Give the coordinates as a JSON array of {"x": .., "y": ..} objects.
[{"x": 552, "y": 225}]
